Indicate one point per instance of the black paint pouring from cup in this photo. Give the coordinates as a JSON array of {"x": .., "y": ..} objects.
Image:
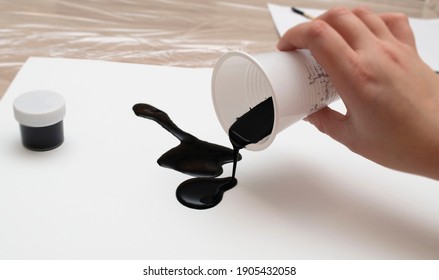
[{"x": 205, "y": 160}]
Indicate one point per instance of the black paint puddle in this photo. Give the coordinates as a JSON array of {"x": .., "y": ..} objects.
[{"x": 205, "y": 160}]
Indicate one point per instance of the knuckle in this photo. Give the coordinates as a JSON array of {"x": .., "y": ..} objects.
[
  {"x": 397, "y": 20},
  {"x": 365, "y": 78},
  {"x": 390, "y": 52},
  {"x": 362, "y": 11},
  {"x": 363, "y": 75},
  {"x": 337, "y": 12},
  {"x": 317, "y": 28},
  {"x": 400, "y": 18},
  {"x": 396, "y": 53}
]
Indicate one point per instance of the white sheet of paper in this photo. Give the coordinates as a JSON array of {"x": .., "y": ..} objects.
[
  {"x": 101, "y": 195},
  {"x": 426, "y": 30}
]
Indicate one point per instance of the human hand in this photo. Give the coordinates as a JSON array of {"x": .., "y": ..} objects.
[{"x": 391, "y": 95}]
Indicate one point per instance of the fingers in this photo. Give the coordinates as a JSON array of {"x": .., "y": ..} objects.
[
  {"x": 325, "y": 43},
  {"x": 331, "y": 123},
  {"x": 353, "y": 30},
  {"x": 399, "y": 26},
  {"x": 374, "y": 23},
  {"x": 388, "y": 26},
  {"x": 341, "y": 20},
  {"x": 359, "y": 27}
]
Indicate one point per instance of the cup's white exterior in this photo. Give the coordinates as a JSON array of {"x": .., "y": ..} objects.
[{"x": 297, "y": 84}]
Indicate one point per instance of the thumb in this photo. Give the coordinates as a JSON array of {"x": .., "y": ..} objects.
[{"x": 331, "y": 123}]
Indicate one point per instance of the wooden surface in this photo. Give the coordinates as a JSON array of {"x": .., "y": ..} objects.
[{"x": 185, "y": 33}]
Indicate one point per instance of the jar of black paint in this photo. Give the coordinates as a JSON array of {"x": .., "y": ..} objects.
[{"x": 40, "y": 115}]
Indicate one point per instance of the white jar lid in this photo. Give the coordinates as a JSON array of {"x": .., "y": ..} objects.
[{"x": 39, "y": 108}]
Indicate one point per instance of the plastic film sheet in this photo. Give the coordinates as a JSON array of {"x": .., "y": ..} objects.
[{"x": 192, "y": 33}]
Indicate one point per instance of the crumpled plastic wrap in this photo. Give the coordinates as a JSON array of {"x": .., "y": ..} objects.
[{"x": 192, "y": 33}]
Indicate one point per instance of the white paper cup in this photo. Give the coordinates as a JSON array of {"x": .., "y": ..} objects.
[{"x": 297, "y": 83}]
